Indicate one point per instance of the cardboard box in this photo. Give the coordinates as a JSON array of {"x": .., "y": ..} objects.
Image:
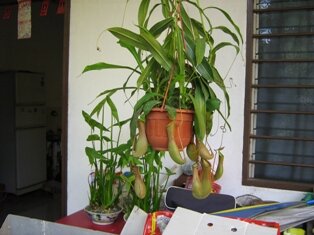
[
  {"x": 20, "y": 225},
  {"x": 187, "y": 222}
]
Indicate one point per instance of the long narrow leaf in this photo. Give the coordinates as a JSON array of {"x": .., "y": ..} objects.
[
  {"x": 93, "y": 137},
  {"x": 142, "y": 12},
  {"x": 236, "y": 27},
  {"x": 134, "y": 53},
  {"x": 203, "y": 68},
  {"x": 103, "y": 65},
  {"x": 99, "y": 107},
  {"x": 229, "y": 32},
  {"x": 128, "y": 37},
  {"x": 157, "y": 51},
  {"x": 220, "y": 82},
  {"x": 149, "y": 105},
  {"x": 180, "y": 51},
  {"x": 219, "y": 46},
  {"x": 199, "y": 50},
  {"x": 161, "y": 26},
  {"x": 92, "y": 155},
  {"x": 199, "y": 29},
  {"x": 165, "y": 8},
  {"x": 187, "y": 23},
  {"x": 145, "y": 73},
  {"x": 113, "y": 108},
  {"x": 92, "y": 122},
  {"x": 148, "y": 96}
]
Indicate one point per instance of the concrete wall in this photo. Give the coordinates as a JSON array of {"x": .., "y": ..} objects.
[{"x": 88, "y": 20}]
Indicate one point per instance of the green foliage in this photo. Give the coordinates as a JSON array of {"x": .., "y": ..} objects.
[
  {"x": 103, "y": 154},
  {"x": 155, "y": 178},
  {"x": 179, "y": 60},
  {"x": 175, "y": 69}
]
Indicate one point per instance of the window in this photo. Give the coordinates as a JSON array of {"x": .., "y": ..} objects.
[{"x": 279, "y": 106}]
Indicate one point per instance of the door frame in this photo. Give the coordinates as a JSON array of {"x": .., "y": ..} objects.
[{"x": 64, "y": 135}]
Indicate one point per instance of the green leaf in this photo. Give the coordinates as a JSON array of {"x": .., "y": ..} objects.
[
  {"x": 199, "y": 50},
  {"x": 172, "y": 112},
  {"x": 190, "y": 50},
  {"x": 92, "y": 155},
  {"x": 220, "y": 82},
  {"x": 93, "y": 137},
  {"x": 134, "y": 53},
  {"x": 102, "y": 65},
  {"x": 203, "y": 68},
  {"x": 169, "y": 171},
  {"x": 187, "y": 23},
  {"x": 149, "y": 105},
  {"x": 209, "y": 122},
  {"x": 145, "y": 73},
  {"x": 99, "y": 107},
  {"x": 107, "y": 139},
  {"x": 165, "y": 8},
  {"x": 146, "y": 97},
  {"x": 200, "y": 114},
  {"x": 154, "y": 47},
  {"x": 212, "y": 104},
  {"x": 93, "y": 123},
  {"x": 138, "y": 108},
  {"x": 218, "y": 47},
  {"x": 113, "y": 108},
  {"x": 229, "y": 19},
  {"x": 161, "y": 26},
  {"x": 180, "y": 50},
  {"x": 229, "y": 32},
  {"x": 142, "y": 12},
  {"x": 122, "y": 123},
  {"x": 133, "y": 123},
  {"x": 198, "y": 27},
  {"x": 128, "y": 37}
]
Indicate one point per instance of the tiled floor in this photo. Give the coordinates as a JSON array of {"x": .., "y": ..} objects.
[{"x": 39, "y": 204}]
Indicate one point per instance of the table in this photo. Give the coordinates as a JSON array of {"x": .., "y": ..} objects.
[{"x": 81, "y": 219}]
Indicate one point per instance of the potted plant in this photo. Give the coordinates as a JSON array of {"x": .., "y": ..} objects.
[
  {"x": 175, "y": 75},
  {"x": 104, "y": 153},
  {"x": 146, "y": 182}
]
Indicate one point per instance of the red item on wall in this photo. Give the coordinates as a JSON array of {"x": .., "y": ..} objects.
[
  {"x": 7, "y": 13},
  {"x": 60, "y": 9},
  {"x": 44, "y": 8}
]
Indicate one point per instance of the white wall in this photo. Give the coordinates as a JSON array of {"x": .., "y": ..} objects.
[{"x": 88, "y": 19}]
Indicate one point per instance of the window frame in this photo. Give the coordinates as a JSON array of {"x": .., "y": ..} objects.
[{"x": 247, "y": 179}]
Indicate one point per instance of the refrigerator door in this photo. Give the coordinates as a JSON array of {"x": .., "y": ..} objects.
[
  {"x": 30, "y": 116},
  {"x": 30, "y": 88},
  {"x": 31, "y": 157}
]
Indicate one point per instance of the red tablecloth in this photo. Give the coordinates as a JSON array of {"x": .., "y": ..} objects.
[{"x": 81, "y": 219}]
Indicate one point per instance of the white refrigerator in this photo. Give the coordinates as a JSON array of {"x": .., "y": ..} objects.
[{"x": 22, "y": 131}]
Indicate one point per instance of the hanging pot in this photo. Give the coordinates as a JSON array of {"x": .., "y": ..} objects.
[{"x": 156, "y": 128}]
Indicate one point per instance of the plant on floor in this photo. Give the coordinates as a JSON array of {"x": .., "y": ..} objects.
[
  {"x": 175, "y": 70},
  {"x": 147, "y": 182},
  {"x": 104, "y": 153}
]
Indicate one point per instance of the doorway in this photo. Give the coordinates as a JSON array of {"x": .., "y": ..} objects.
[{"x": 46, "y": 52}]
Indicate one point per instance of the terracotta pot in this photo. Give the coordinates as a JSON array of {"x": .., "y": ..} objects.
[{"x": 156, "y": 128}]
